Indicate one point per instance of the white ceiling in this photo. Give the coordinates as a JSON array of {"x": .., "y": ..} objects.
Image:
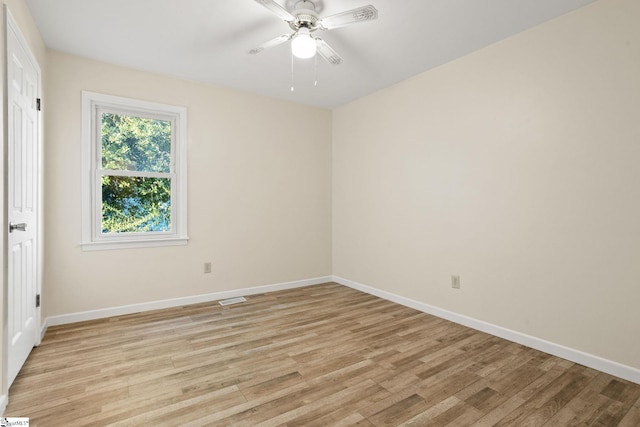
[{"x": 207, "y": 40}]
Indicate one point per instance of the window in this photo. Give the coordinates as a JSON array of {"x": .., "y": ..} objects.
[{"x": 134, "y": 173}]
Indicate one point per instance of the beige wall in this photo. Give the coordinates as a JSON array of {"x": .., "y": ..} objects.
[
  {"x": 516, "y": 167},
  {"x": 22, "y": 16},
  {"x": 259, "y": 193}
]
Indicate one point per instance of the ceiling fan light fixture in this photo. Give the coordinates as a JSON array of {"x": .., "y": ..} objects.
[{"x": 303, "y": 45}]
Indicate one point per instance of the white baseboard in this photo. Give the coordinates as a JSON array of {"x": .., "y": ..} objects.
[
  {"x": 610, "y": 367},
  {"x": 4, "y": 401},
  {"x": 175, "y": 302}
]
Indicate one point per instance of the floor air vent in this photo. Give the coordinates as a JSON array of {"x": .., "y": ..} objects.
[{"x": 230, "y": 301}]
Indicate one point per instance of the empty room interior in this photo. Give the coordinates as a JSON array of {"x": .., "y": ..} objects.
[{"x": 433, "y": 219}]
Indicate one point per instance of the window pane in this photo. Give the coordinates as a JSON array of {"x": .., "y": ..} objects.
[
  {"x": 135, "y": 204},
  {"x": 135, "y": 143}
]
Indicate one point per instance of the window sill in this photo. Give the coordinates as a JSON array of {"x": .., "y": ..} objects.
[{"x": 130, "y": 244}]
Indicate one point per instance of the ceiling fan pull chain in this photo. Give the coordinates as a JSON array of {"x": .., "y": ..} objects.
[
  {"x": 315, "y": 68},
  {"x": 292, "y": 88}
]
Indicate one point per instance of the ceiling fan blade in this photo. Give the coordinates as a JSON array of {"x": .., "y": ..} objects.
[
  {"x": 277, "y": 10},
  {"x": 327, "y": 52},
  {"x": 361, "y": 14},
  {"x": 271, "y": 43}
]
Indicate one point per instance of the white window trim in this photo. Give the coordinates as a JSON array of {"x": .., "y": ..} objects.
[{"x": 92, "y": 237}]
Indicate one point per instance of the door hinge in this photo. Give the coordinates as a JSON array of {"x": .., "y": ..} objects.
[
  {"x": 38, "y": 104},
  {"x": 37, "y": 300}
]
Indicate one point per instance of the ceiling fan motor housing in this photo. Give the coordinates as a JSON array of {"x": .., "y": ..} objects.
[{"x": 305, "y": 13}]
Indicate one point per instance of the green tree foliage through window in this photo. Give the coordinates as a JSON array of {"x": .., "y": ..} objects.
[{"x": 138, "y": 200}]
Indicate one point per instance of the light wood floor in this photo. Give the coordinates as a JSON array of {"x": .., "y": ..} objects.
[{"x": 322, "y": 355}]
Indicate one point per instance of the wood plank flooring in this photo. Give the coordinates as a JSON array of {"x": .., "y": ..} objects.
[{"x": 323, "y": 355}]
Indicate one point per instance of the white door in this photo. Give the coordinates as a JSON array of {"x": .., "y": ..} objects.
[{"x": 23, "y": 81}]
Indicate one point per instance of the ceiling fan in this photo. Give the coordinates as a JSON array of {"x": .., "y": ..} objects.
[{"x": 304, "y": 21}]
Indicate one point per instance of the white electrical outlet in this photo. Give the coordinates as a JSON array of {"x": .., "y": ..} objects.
[
  {"x": 207, "y": 267},
  {"x": 455, "y": 282}
]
